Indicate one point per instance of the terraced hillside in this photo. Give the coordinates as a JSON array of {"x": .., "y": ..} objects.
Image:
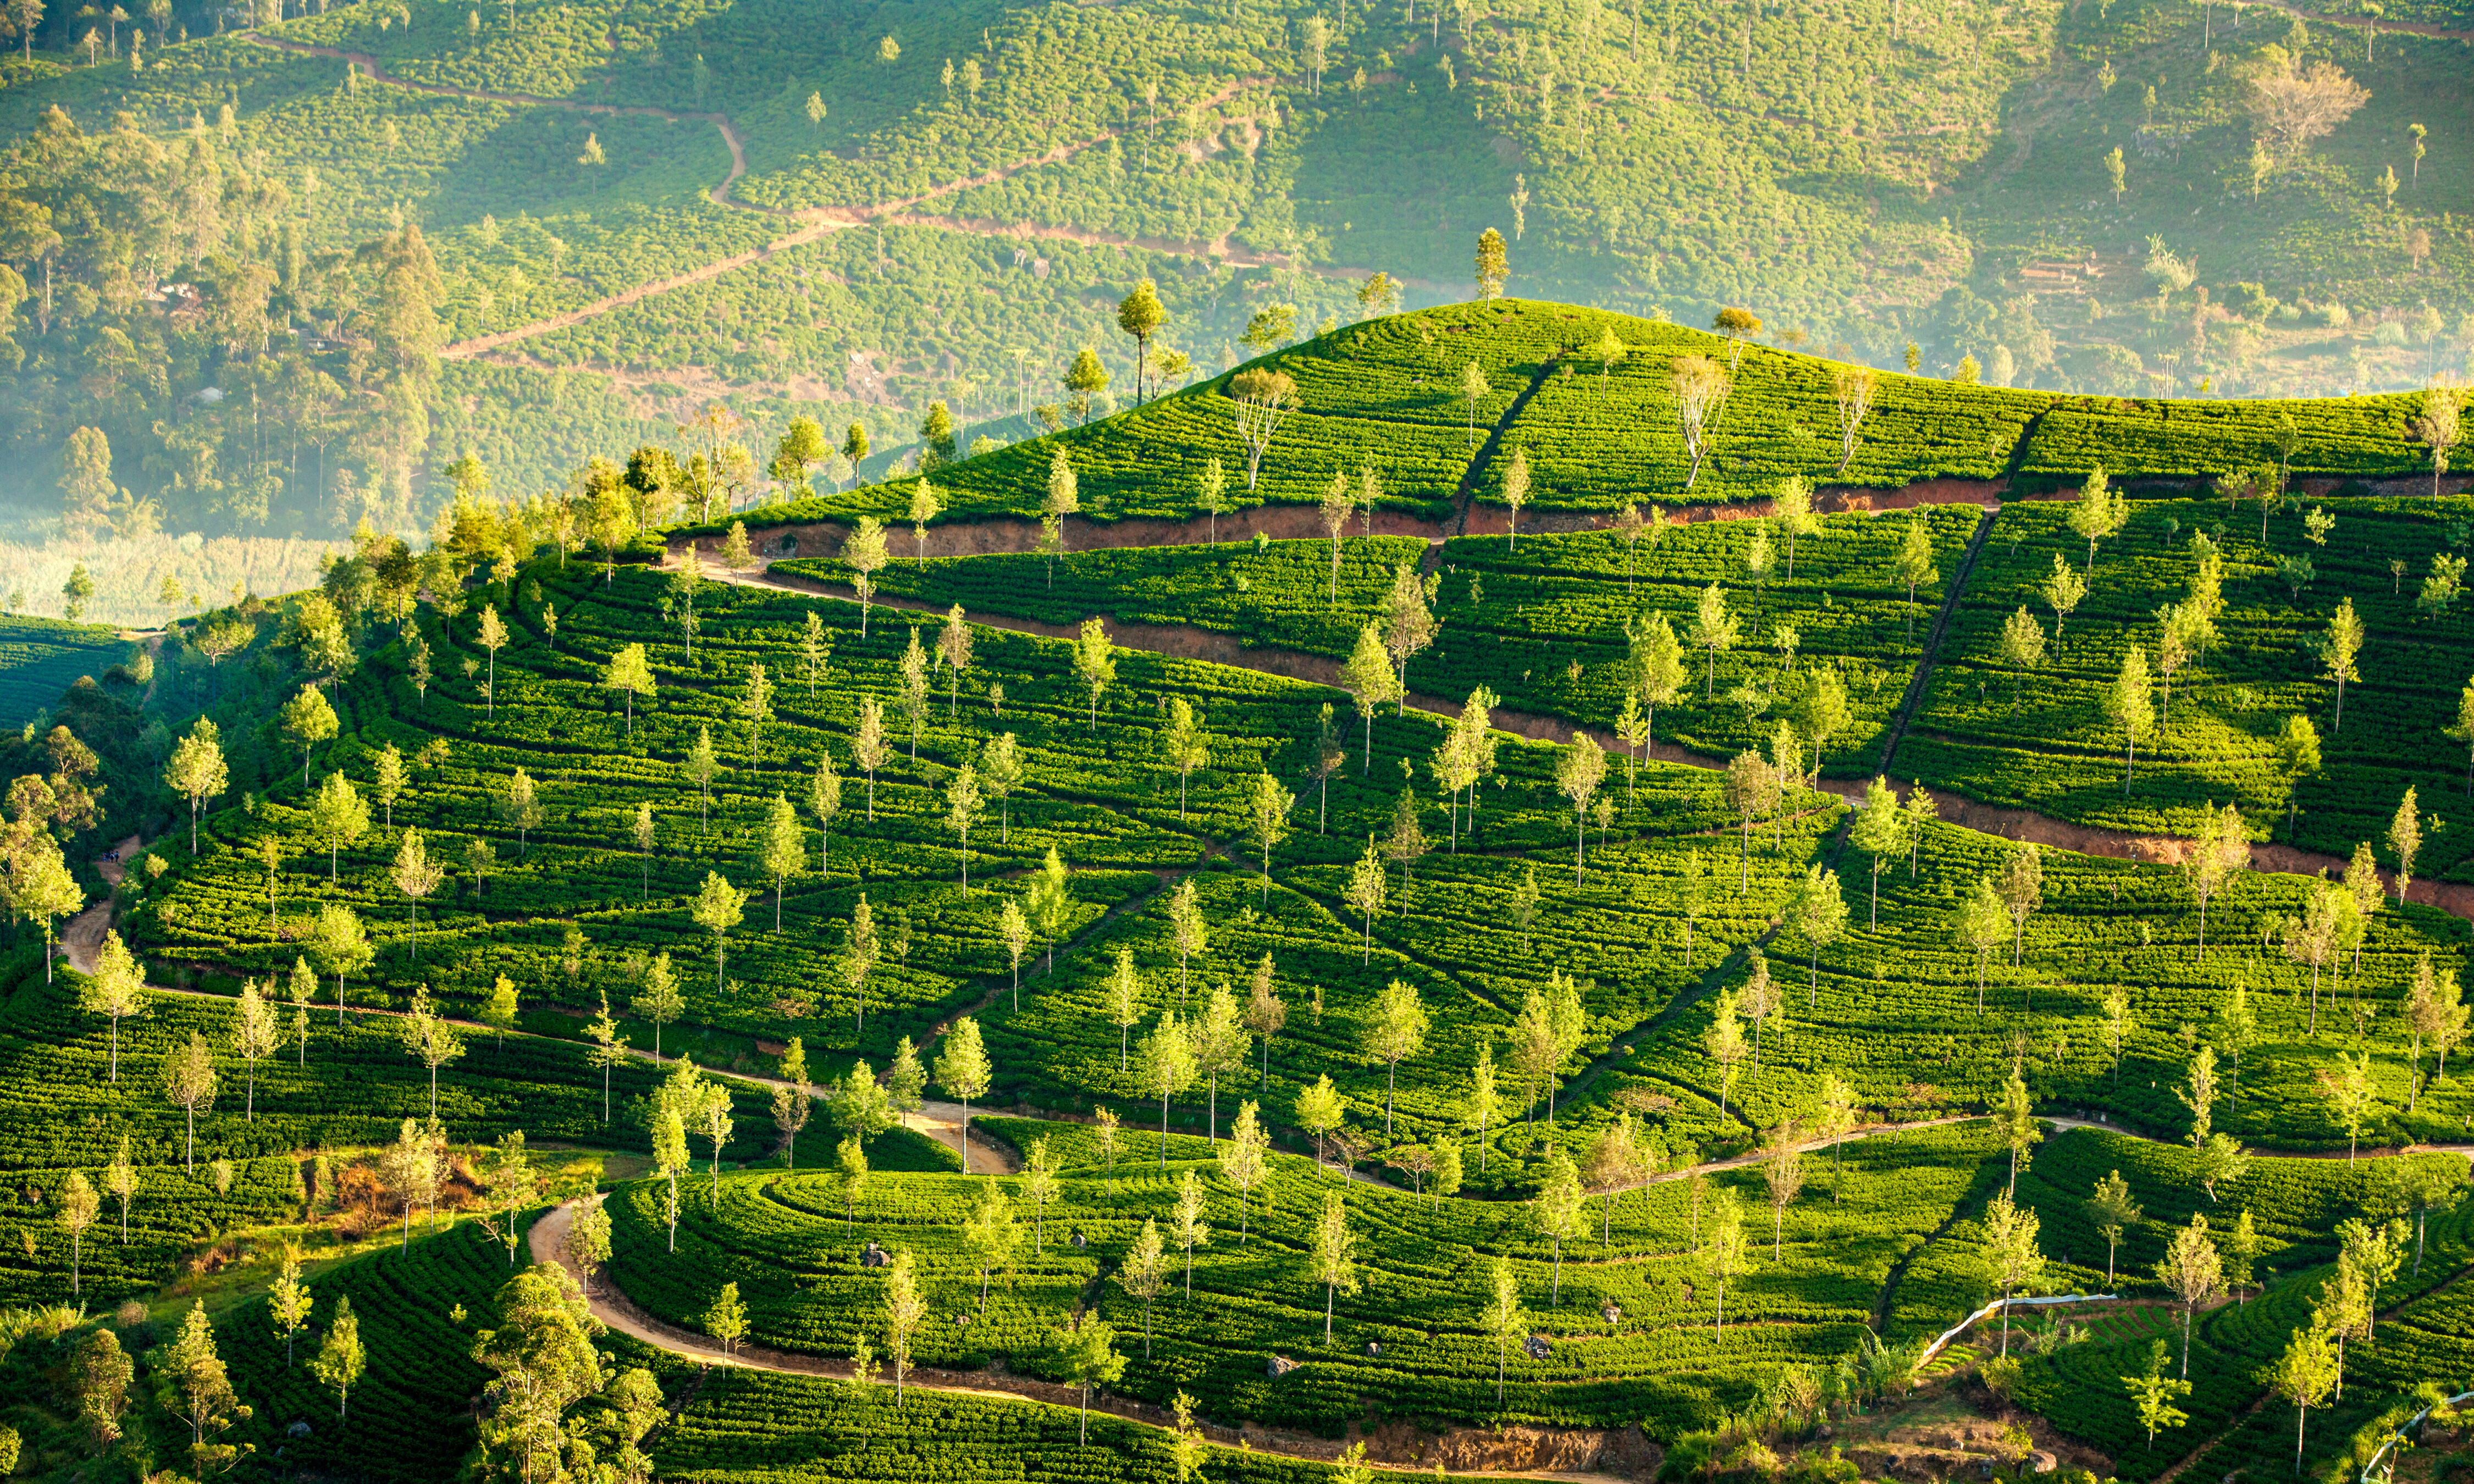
[{"x": 1266, "y": 973}]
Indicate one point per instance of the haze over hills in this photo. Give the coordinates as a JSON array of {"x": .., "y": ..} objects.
[
  {"x": 626, "y": 213},
  {"x": 1297, "y": 538}
]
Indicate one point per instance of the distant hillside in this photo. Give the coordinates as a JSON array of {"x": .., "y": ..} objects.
[
  {"x": 531, "y": 232},
  {"x": 40, "y": 657}
]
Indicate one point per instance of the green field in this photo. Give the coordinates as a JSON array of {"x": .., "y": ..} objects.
[
  {"x": 2041, "y": 740},
  {"x": 719, "y": 816},
  {"x": 40, "y": 657}
]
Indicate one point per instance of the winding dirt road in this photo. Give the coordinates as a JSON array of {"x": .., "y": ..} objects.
[
  {"x": 1461, "y": 1449},
  {"x": 821, "y": 220},
  {"x": 1187, "y": 642}
]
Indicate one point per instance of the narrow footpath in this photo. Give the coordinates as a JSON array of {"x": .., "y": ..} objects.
[
  {"x": 1189, "y": 643},
  {"x": 1458, "y": 1451},
  {"x": 819, "y": 222}
]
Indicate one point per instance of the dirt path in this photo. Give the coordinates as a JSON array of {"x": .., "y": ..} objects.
[
  {"x": 813, "y": 231},
  {"x": 943, "y": 1123},
  {"x": 621, "y": 1314},
  {"x": 822, "y": 221},
  {"x": 82, "y": 936},
  {"x": 1188, "y": 642},
  {"x": 1185, "y": 642}
]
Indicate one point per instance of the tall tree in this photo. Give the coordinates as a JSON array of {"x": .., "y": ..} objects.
[
  {"x": 1089, "y": 1351},
  {"x": 1515, "y": 494},
  {"x": 2128, "y": 705},
  {"x": 1365, "y": 896},
  {"x": 2112, "y": 1211},
  {"x": 1913, "y": 565},
  {"x": 1187, "y": 1225},
  {"x": 990, "y": 1236},
  {"x": 39, "y": 886},
  {"x": 2011, "y": 1253},
  {"x": 1782, "y": 1177},
  {"x": 341, "y": 1359},
  {"x": 189, "y": 1083},
  {"x": 80, "y": 1205},
  {"x": 494, "y": 638},
  {"x": 864, "y": 553},
  {"x": 341, "y": 945},
  {"x": 1367, "y": 679},
  {"x": 308, "y": 720},
  {"x": 1557, "y": 1211},
  {"x": 1050, "y": 901},
  {"x": 1723, "y": 1251},
  {"x": 1262, "y": 400},
  {"x": 1167, "y": 1067},
  {"x": 2063, "y": 590},
  {"x": 630, "y": 674},
  {"x": 718, "y": 908},
  {"x": 963, "y": 807},
  {"x": 1656, "y": 664},
  {"x": 1502, "y": 1319},
  {"x": 338, "y": 817},
  {"x": 1217, "y": 1043},
  {"x": 1700, "y": 387},
  {"x": 1244, "y": 1161},
  {"x": 2098, "y": 513},
  {"x": 288, "y": 1301},
  {"x": 914, "y": 693},
  {"x": 926, "y": 505},
  {"x": 964, "y": 1073},
  {"x": 2303, "y": 1374},
  {"x": 2405, "y": 841},
  {"x": 429, "y": 1039},
  {"x": 116, "y": 990},
  {"x": 196, "y": 771},
  {"x": 2014, "y": 1119},
  {"x": 2337, "y": 651},
  {"x": 1334, "y": 1262},
  {"x": 1143, "y": 1273},
  {"x": 1818, "y": 914},
  {"x": 903, "y": 1310},
  {"x": 1713, "y": 629},
  {"x": 784, "y": 851},
  {"x": 2193, "y": 1273},
  {"x": 1394, "y": 1027},
  {"x": 1723, "y": 1043},
  {"x": 2350, "y": 1095},
  {"x": 1493, "y": 265},
  {"x": 1879, "y": 833},
  {"x": 391, "y": 778},
  {"x": 2021, "y": 886},
  {"x": 1094, "y": 664},
  {"x": 1140, "y": 314},
  {"x": 1852, "y": 390},
  {"x": 1579, "y": 771}
]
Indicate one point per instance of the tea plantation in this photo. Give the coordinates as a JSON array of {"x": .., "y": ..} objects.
[{"x": 1394, "y": 1029}]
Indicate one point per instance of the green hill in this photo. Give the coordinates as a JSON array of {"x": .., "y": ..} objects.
[
  {"x": 1390, "y": 396},
  {"x": 756, "y": 892},
  {"x": 40, "y": 657}
]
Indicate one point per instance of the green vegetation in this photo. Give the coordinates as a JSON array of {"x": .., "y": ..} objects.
[
  {"x": 2040, "y": 738},
  {"x": 40, "y": 656},
  {"x": 784, "y": 1241},
  {"x": 1279, "y": 985}
]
